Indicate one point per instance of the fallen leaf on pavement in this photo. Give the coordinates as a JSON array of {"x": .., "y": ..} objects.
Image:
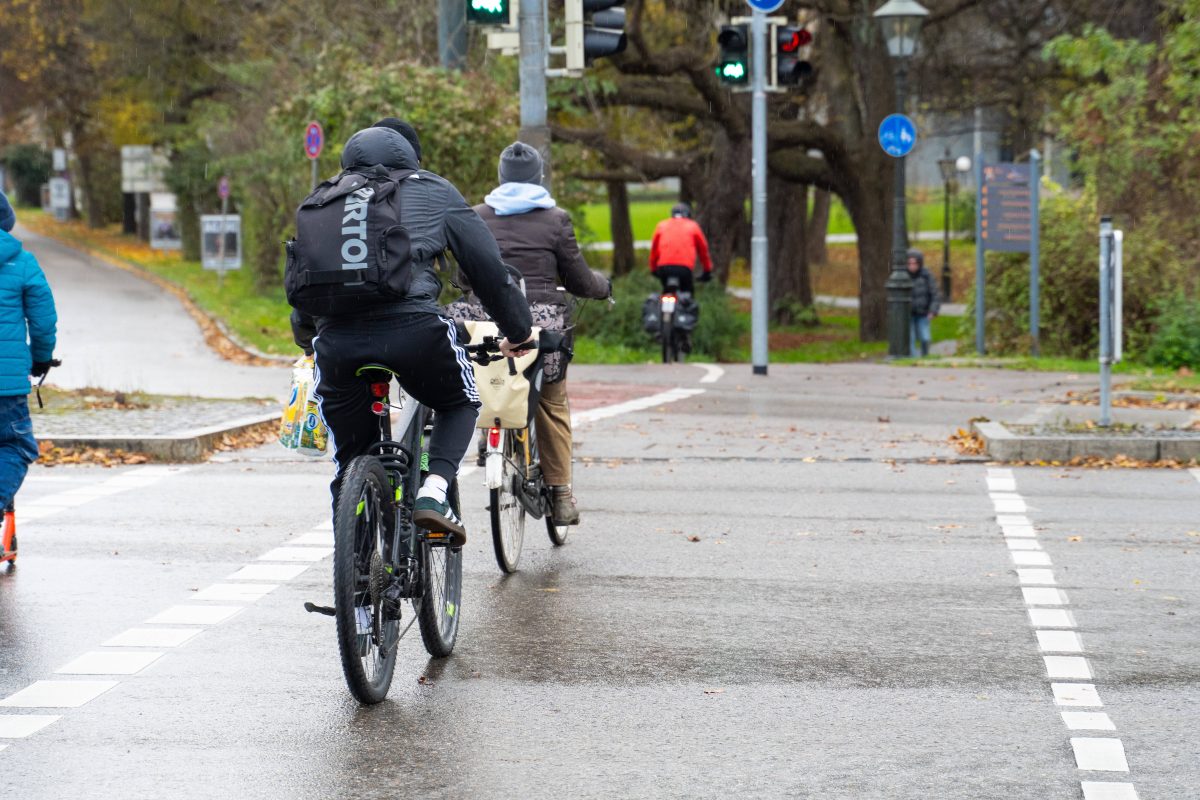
[
  {"x": 714, "y": 691},
  {"x": 693, "y": 538},
  {"x": 1074, "y": 538}
]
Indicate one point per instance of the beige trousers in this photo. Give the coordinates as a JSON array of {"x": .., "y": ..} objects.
[{"x": 553, "y": 423}]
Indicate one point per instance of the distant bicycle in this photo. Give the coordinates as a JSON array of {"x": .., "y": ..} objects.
[
  {"x": 671, "y": 316},
  {"x": 381, "y": 558},
  {"x": 512, "y": 471}
]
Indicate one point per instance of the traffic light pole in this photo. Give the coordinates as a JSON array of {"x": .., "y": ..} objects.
[
  {"x": 758, "y": 161},
  {"x": 531, "y": 22}
]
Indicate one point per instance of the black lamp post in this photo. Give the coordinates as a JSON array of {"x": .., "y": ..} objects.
[
  {"x": 900, "y": 21},
  {"x": 949, "y": 184}
]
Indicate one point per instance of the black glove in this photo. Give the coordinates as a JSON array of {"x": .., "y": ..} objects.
[
  {"x": 706, "y": 277},
  {"x": 608, "y": 294},
  {"x": 40, "y": 368}
]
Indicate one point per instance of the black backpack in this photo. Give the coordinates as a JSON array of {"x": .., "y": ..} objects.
[{"x": 350, "y": 249}]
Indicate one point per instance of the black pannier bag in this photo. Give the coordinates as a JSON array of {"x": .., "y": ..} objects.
[
  {"x": 687, "y": 313},
  {"x": 350, "y": 249},
  {"x": 651, "y": 317}
]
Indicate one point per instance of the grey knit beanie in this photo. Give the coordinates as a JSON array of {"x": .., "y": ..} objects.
[{"x": 520, "y": 163}]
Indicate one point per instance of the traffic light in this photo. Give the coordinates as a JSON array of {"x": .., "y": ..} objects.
[
  {"x": 595, "y": 29},
  {"x": 491, "y": 12},
  {"x": 789, "y": 48},
  {"x": 733, "y": 63}
]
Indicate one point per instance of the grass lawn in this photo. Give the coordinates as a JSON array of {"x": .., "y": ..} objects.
[
  {"x": 923, "y": 215},
  {"x": 1128, "y": 374}
]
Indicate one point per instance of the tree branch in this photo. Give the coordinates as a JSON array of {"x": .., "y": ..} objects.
[{"x": 647, "y": 165}]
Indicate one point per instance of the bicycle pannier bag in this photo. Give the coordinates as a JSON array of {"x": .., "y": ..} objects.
[
  {"x": 508, "y": 398},
  {"x": 350, "y": 249}
]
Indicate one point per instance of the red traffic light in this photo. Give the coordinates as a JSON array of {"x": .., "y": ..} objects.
[{"x": 792, "y": 39}]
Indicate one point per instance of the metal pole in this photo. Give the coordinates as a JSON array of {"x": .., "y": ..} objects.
[
  {"x": 531, "y": 21},
  {"x": 221, "y": 244},
  {"x": 1106, "y": 249},
  {"x": 980, "y": 277},
  {"x": 314, "y": 173},
  {"x": 452, "y": 34},
  {"x": 758, "y": 167},
  {"x": 899, "y": 284},
  {"x": 1035, "y": 282},
  {"x": 946, "y": 242}
]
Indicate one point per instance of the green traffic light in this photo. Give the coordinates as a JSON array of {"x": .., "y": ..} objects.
[
  {"x": 488, "y": 12},
  {"x": 488, "y": 6},
  {"x": 733, "y": 71}
]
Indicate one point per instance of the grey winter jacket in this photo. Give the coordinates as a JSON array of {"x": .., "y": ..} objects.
[
  {"x": 925, "y": 296},
  {"x": 541, "y": 244},
  {"x": 437, "y": 217}
]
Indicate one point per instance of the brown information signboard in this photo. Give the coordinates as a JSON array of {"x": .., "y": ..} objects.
[{"x": 1006, "y": 208}]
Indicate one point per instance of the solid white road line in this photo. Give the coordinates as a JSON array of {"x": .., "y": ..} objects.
[
  {"x": 1068, "y": 667},
  {"x": 194, "y": 615},
  {"x": 1050, "y": 617},
  {"x": 1100, "y": 755},
  {"x": 112, "y": 662},
  {"x": 18, "y": 726},
  {"x": 57, "y": 694},
  {"x": 235, "y": 592},
  {"x": 638, "y": 404},
  {"x": 1075, "y": 694},
  {"x": 1030, "y": 558},
  {"x": 1013, "y": 519},
  {"x": 712, "y": 373},
  {"x": 1018, "y": 531},
  {"x": 1001, "y": 484},
  {"x": 268, "y": 572},
  {"x": 1088, "y": 721},
  {"x": 1023, "y": 544},
  {"x": 311, "y": 554},
  {"x": 1002, "y": 473},
  {"x": 1102, "y": 790},
  {"x": 152, "y": 637},
  {"x": 1059, "y": 641}
]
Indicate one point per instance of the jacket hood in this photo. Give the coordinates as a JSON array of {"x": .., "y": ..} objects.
[
  {"x": 373, "y": 146},
  {"x": 10, "y": 247},
  {"x": 919, "y": 256},
  {"x": 519, "y": 198}
]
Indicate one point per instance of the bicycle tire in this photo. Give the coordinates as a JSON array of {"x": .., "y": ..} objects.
[
  {"x": 668, "y": 334},
  {"x": 507, "y": 512},
  {"x": 439, "y": 608},
  {"x": 557, "y": 533},
  {"x": 366, "y": 641}
]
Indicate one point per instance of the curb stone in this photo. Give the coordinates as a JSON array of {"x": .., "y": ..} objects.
[
  {"x": 189, "y": 446},
  {"x": 1003, "y": 445}
]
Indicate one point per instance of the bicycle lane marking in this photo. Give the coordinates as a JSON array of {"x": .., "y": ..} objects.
[
  {"x": 1058, "y": 640},
  {"x": 712, "y": 373},
  {"x": 135, "y": 649}
]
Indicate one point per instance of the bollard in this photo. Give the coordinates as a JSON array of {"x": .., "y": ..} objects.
[{"x": 1106, "y": 350}]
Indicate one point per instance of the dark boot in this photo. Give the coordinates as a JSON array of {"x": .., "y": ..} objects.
[
  {"x": 924, "y": 348},
  {"x": 562, "y": 508}
]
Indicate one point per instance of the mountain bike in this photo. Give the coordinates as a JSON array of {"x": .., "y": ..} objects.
[
  {"x": 512, "y": 471},
  {"x": 381, "y": 558}
]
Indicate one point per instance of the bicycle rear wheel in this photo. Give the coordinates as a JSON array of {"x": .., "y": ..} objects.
[
  {"x": 367, "y": 638},
  {"x": 507, "y": 512},
  {"x": 441, "y": 591},
  {"x": 558, "y": 533}
]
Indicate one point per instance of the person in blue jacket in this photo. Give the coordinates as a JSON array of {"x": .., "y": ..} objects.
[{"x": 27, "y": 328}]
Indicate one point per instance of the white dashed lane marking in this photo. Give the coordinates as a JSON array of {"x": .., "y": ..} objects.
[
  {"x": 153, "y": 637},
  {"x": 194, "y": 615},
  {"x": 712, "y": 373},
  {"x": 308, "y": 554},
  {"x": 57, "y": 694},
  {"x": 111, "y": 662},
  {"x": 1054, "y": 629},
  {"x": 268, "y": 572},
  {"x": 235, "y": 592},
  {"x": 18, "y": 726}
]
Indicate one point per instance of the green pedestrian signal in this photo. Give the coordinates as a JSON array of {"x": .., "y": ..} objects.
[
  {"x": 490, "y": 12},
  {"x": 733, "y": 64}
]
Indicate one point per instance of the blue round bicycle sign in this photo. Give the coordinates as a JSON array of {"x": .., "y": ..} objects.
[
  {"x": 897, "y": 135},
  {"x": 765, "y": 5}
]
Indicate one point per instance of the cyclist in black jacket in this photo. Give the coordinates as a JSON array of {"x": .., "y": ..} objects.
[{"x": 410, "y": 336}]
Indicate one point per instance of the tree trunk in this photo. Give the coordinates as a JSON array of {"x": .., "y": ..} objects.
[
  {"x": 818, "y": 226},
  {"x": 870, "y": 207},
  {"x": 789, "y": 286},
  {"x": 722, "y": 194},
  {"x": 622, "y": 228}
]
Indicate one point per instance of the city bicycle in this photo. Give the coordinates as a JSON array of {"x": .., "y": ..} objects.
[
  {"x": 512, "y": 470},
  {"x": 381, "y": 558}
]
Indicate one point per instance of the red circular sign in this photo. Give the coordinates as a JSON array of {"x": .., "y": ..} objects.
[
  {"x": 314, "y": 140},
  {"x": 223, "y": 187}
]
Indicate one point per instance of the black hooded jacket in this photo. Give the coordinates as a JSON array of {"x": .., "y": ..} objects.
[{"x": 437, "y": 217}]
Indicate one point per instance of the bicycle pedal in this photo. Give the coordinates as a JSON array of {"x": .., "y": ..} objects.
[{"x": 313, "y": 608}]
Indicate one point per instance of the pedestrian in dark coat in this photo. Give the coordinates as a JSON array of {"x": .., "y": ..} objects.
[{"x": 926, "y": 302}]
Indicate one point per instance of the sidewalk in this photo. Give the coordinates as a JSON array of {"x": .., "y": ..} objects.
[
  {"x": 119, "y": 332},
  {"x": 851, "y": 303}
]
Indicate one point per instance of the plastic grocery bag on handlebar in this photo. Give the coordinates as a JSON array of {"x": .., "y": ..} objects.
[
  {"x": 511, "y": 399},
  {"x": 350, "y": 249}
]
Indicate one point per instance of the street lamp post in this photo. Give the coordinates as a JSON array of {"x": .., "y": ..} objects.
[
  {"x": 900, "y": 21},
  {"x": 949, "y": 184}
]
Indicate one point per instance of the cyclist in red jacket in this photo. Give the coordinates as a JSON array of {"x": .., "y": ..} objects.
[{"x": 677, "y": 244}]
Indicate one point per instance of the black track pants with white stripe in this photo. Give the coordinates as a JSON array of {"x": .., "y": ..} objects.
[{"x": 421, "y": 349}]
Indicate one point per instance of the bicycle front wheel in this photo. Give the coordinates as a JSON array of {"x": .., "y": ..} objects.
[
  {"x": 367, "y": 633},
  {"x": 508, "y": 515},
  {"x": 441, "y": 591},
  {"x": 558, "y": 533}
]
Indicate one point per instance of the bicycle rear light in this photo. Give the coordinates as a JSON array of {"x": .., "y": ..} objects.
[
  {"x": 379, "y": 408},
  {"x": 668, "y": 302},
  {"x": 379, "y": 390},
  {"x": 493, "y": 437}
]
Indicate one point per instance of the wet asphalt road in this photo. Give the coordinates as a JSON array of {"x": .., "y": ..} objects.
[{"x": 849, "y": 623}]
